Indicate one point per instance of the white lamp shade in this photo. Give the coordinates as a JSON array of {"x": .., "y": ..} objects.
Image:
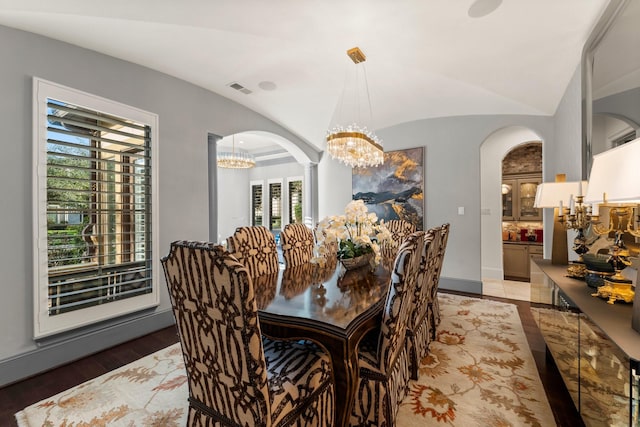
[
  {"x": 549, "y": 194},
  {"x": 616, "y": 173}
]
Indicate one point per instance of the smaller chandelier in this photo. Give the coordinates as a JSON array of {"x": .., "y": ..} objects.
[
  {"x": 354, "y": 144},
  {"x": 235, "y": 159}
]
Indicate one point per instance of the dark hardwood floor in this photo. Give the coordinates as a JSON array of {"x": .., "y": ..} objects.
[{"x": 16, "y": 396}]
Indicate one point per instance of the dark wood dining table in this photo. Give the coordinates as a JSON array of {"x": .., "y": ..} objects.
[{"x": 330, "y": 306}]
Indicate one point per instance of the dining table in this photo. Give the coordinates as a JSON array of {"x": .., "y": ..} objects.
[{"x": 329, "y": 305}]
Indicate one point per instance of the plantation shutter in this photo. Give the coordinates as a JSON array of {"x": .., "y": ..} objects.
[
  {"x": 98, "y": 207},
  {"x": 256, "y": 204},
  {"x": 275, "y": 203},
  {"x": 295, "y": 202}
]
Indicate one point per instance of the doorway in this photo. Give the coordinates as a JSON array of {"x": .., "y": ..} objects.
[
  {"x": 521, "y": 220},
  {"x": 492, "y": 152}
]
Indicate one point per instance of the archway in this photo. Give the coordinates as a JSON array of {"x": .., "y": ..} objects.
[
  {"x": 230, "y": 206},
  {"x": 492, "y": 151}
]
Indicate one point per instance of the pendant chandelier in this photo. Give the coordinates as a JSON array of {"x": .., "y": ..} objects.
[
  {"x": 235, "y": 159},
  {"x": 348, "y": 139}
]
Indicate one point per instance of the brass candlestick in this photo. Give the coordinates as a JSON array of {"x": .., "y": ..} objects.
[{"x": 577, "y": 217}]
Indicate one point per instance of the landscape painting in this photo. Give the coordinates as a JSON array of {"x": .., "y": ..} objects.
[{"x": 395, "y": 189}]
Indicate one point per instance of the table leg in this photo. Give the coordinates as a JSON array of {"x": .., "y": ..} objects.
[{"x": 345, "y": 371}]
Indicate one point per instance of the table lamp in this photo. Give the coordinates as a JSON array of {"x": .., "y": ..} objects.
[
  {"x": 558, "y": 195},
  {"x": 615, "y": 179}
]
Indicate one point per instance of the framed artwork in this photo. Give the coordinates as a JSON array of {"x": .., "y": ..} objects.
[{"x": 395, "y": 189}]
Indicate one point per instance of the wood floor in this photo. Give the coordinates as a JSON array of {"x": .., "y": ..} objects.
[{"x": 19, "y": 395}]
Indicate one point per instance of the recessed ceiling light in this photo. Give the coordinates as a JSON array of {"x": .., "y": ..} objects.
[
  {"x": 267, "y": 85},
  {"x": 481, "y": 8}
]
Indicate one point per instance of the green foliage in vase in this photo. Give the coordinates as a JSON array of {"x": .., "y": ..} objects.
[{"x": 350, "y": 249}]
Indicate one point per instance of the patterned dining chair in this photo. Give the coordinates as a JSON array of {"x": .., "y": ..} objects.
[
  {"x": 399, "y": 229},
  {"x": 237, "y": 377},
  {"x": 419, "y": 329},
  {"x": 297, "y": 244},
  {"x": 382, "y": 356},
  {"x": 434, "y": 307},
  {"x": 255, "y": 247}
]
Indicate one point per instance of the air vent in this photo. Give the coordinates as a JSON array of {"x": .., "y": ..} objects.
[{"x": 239, "y": 87}]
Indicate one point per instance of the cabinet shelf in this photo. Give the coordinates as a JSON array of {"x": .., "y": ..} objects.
[{"x": 518, "y": 195}]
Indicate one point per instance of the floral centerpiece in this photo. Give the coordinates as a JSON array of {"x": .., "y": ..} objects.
[{"x": 358, "y": 235}]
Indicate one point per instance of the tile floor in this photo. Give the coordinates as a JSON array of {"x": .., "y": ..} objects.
[{"x": 507, "y": 289}]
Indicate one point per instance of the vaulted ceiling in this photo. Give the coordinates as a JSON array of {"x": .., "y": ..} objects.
[{"x": 425, "y": 58}]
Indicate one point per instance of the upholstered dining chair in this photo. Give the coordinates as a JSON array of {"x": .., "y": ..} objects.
[
  {"x": 297, "y": 244},
  {"x": 255, "y": 247},
  {"x": 434, "y": 307},
  {"x": 382, "y": 356},
  {"x": 399, "y": 229},
  {"x": 237, "y": 377},
  {"x": 419, "y": 329}
]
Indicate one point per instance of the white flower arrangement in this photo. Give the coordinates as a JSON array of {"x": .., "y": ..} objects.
[{"x": 357, "y": 232}]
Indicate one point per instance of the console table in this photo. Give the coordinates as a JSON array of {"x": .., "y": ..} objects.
[{"x": 593, "y": 345}]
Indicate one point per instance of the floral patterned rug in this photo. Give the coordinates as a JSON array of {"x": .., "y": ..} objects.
[{"x": 480, "y": 372}]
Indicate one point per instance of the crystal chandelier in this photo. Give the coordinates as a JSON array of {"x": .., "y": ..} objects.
[
  {"x": 354, "y": 144},
  {"x": 235, "y": 159}
]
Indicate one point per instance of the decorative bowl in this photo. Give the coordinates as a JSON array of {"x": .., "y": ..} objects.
[{"x": 357, "y": 262}]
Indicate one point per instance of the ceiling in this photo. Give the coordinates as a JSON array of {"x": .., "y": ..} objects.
[{"x": 425, "y": 58}]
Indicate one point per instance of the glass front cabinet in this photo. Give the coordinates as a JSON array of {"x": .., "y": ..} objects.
[{"x": 518, "y": 197}]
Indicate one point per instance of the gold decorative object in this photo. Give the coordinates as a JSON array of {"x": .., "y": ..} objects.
[
  {"x": 577, "y": 217},
  {"x": 235, "y": 159},
  {"x": 354, "y": 144},
  {"x": 615, "y": 291},
  {"x": 618, "y": 252},
  {"x": 577, "y": 270}
]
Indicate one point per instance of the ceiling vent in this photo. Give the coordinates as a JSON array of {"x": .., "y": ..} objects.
[{"x": 239, "y": 87}]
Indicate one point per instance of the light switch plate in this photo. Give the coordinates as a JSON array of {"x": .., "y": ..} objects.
[{"x": 460, "y": 210}]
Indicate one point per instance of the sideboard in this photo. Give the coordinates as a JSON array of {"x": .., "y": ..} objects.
[{"x": 592, "y": 344}]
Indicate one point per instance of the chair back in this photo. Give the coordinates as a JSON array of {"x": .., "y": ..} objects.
[
  {"x": 400, "y": 229},
  {"x": 255, "y": 247},
  {"x": 441, "y": 241},
  {"x": 424, "y": 280},
  {"x": 395, "y": 318},
  {"x": 444, "y": 238},
  {"x": 215, "y": 310},
  {"x": 297, "y": 244}
]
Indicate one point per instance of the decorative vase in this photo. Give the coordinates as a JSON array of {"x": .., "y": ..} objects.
[{"x": 357, "y": 262}]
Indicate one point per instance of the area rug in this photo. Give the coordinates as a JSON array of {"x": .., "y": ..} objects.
[{"x": 480, "y": 372}]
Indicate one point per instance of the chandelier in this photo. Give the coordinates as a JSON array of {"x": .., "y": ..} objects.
[
  {"x": 235, "y": 159},
  {"x": 349, "y": 140}
]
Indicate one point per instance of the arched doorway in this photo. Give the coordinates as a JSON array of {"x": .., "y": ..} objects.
[
  {"x": 280, "y": 165},
  {"x": 492, "y": 152}
]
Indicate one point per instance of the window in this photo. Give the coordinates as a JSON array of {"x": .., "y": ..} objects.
[
  {"x": 295, "y": 200},
  {"x": 94, "y": 193},
  {"x": 257, "y": 208},
  {"x": 275, "y": 205}
]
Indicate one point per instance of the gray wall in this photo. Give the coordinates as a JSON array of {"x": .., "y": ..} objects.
[
  {"x": 452, "y": 180},
  {"x": 187, "y": 115}
]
